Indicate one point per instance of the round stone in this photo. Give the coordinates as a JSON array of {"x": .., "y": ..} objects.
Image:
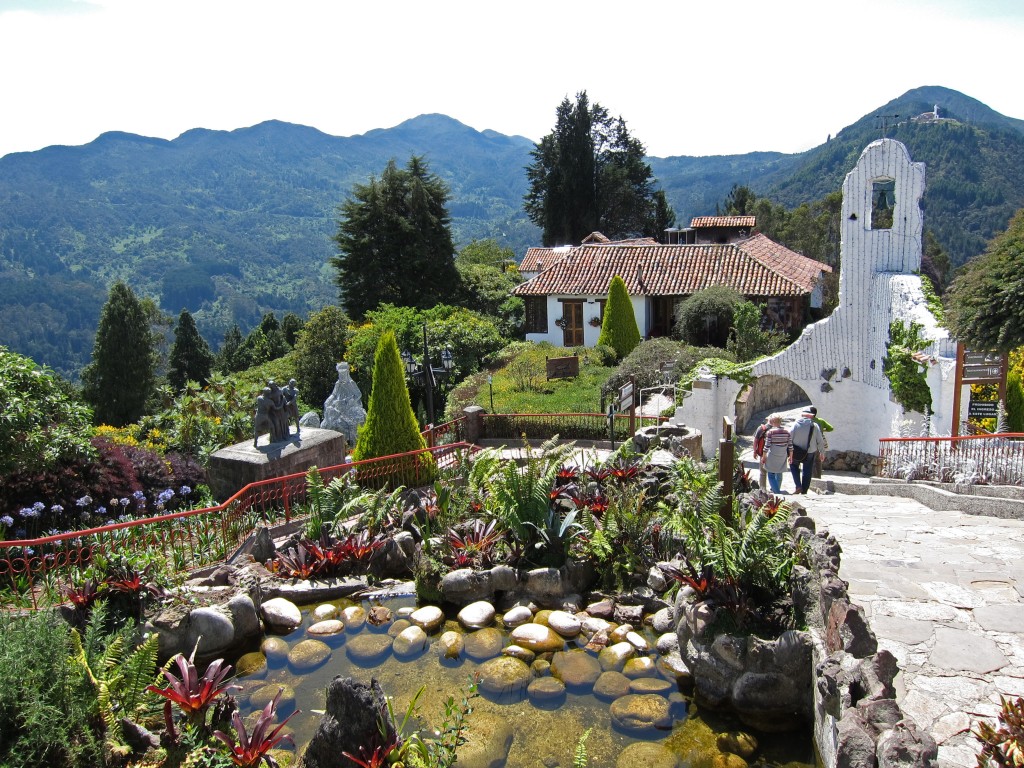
[
  {"x": 410, "y": 642},
  {"x": 540, "y": 667},
  {"x": 637, "y": 641},
  {"x": 577, "y": 669},
  {"x": 354, "y": 617},
  {"x": 484, "y": 643},
  {"x": 368, "y": 648},
  {"x": 656, "y": 685},
  {"x": 504, "y": 675},
  {"x": 641, "y": 666},
  {"x": 545, "y": 689},
  {"x": 275, "y": 649},
  {"x": 397, "y": 626},
  {"x": 429, "y": 617},
  {"x": 266, "y": 693},
  {"x": 308, "y": 654},
  {"x": 565, "y": 624},
  {"x": 324, "y": 612},
  {"x": 518, "y": 652},
  {"x": 592, "y": 625},
  {"x": 281, "y": 615},
  {"x": 516, "y": 616},
  {"x": 648, "y": 754},
  {"x": 664, "y": 621},
  {"x": 638, "y": 713},
  {"x": 451, "y": 645},
  {"x": 537, "y": 637},
  {"x": 667, "y": 643},
  {"x": 541, "y": 617},
  {"x": 405, "y": 612},
  {"x": 477, "y": 615},
  {"x": 326, "y": 628},
  {"x": 251, "y": 664},
  {"x": 618, "y": 635},
  {"x": 738, "y": 743},
  {"x": 614, "y": 657},
  {"x": 611, "y": 686},
  {"x": 728, "y": 760}
]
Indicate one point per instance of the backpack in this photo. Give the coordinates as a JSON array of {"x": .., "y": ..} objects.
[{"x": 759, "y": 434}]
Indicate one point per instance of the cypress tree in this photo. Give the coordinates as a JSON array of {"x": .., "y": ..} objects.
[
  {"x": 120, "y": 378},
  {"x": 390, "y": 425},
  {"x": 191, "y": 358},
  {"x": 619, "y": 329}
]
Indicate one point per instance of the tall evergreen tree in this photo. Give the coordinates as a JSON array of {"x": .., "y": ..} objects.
[
  {"x": 121, "y": 376},
  {"x": 395, "y": 243},
  {"x": 228, "y": 356},
  {"x": 619, "y": 329},
  {"x": 191, "y": 358},
  {"x": 390, "y": 425},
  {"x": 589, "y": 174}
]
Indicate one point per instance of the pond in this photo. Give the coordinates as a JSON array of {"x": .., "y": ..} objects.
[{"x": 542, "y": 734}]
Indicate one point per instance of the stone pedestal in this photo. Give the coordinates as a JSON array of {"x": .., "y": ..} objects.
[{"x": 232, "y": 468}]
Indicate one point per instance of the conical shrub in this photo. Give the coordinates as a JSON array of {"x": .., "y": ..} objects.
[{"x": 619, "y": 330}]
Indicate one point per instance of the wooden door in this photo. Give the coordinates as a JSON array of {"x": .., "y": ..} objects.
[{"x": 572, "y": 327}]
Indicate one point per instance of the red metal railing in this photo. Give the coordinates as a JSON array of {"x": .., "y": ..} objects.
[
  {"x": 32, "y": 570},
  {"x": 445, "y": 434},
  {"x": 568, "y": 426},
  {"x": 974, "y": 459}
]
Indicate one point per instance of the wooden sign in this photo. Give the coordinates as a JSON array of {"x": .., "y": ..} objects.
[
  {"x": 563, "y": 367},
  {"x": 626, "y": 396}
]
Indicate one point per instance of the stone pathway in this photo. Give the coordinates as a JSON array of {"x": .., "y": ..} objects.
[{"x": 944, "y": 592}]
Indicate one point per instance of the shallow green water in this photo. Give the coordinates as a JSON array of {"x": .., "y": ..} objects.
[{"x": 542, "y": 736}]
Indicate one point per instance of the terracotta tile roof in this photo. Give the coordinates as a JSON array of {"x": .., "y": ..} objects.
[
  {"x": 700, "y": 222},
  {"x": 756, "y": 267},
  {"x": 548, "y": 256}
]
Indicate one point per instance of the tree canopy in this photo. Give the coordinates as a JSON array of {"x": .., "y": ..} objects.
[
  {"x": 395, "y": 243},
  {"x": 589, "y": 174},
  {"x": 191, "y": 358},
  {"x": 985, "y": 303},
  {"x": 319, "y": 348},
  {"x": 120, "y": 378}
]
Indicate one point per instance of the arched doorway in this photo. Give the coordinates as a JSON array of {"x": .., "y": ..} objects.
[{"x": 764, "y": 395}]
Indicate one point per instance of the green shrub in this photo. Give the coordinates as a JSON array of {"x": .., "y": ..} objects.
[
  {"x": 706, "y": 317},
  {"x": 1015, "y": 401},
  {"x": 319, "y": 348},
  {"x": 46, "y": 703},
  {"x": 906, "y": 379},
  {"x": 619, "y": 330},
  {"x": 748, "y": 339},
  {"x": 644, "y": 364}
]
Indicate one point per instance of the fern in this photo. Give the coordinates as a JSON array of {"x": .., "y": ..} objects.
[{"x": 579, "y": 757}]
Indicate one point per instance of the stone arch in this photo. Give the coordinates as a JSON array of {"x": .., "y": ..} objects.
[{"x": 767, "y": 393}]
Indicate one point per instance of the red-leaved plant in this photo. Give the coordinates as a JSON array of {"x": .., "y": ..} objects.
[
  {"x": 192, "y": 693},
  {"x": 253, "y": 747}
]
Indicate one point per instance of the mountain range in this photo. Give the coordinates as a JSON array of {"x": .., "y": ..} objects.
[{"x": 232, "y": 224}]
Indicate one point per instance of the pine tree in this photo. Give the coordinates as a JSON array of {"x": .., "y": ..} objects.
[
  {"x": 395, "y": 243},
  {"x": 590, "y": 174},
  {"x": 191, "y": 358},
  {"x": 120, "y": 378},
  {"x": 390, "y": 425},
  {"x": 619, "y": 329},
  {"x": 228, "y": 356}
]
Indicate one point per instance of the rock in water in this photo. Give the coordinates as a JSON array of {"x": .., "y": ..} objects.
[{"x": 355, "y": 714}]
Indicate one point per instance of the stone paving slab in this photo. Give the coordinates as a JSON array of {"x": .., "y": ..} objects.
[{"x": 944, "y": 592}]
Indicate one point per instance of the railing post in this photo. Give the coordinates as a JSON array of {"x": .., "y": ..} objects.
[
  {"x": 287, "y": 504},
  {"x": 726, "y": 467}
]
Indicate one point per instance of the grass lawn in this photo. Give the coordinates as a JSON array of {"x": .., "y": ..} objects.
[{"x": 520, "y": 385}]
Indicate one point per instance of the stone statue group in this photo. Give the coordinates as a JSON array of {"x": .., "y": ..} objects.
[{"x": 276, "y": 408}]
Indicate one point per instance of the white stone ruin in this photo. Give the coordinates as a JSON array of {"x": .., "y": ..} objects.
[{"x": 837, "y": 362}]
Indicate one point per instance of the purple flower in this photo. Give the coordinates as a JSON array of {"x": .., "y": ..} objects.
[
  {"x": 165, "y": 496},
  {"x": 84, "y": 501},
  {"x": 185, "y": 490},
  {"x": 38, "y": 506},
  {"x": 29, "y": 512},
  {"x": 101, "y": 511},
  {"x": 7, "y": 521},
  {"x": 139, "y": 496},
  {"x": 56, "y": 509},
  {"x": 125, "y": 502}
]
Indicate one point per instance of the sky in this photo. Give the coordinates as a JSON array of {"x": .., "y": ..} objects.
[{"x": 699, "y": 77}]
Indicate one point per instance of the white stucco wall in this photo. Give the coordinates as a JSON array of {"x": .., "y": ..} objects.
[
  {"x": 591, "y": 308},
  {"x": 838, "y": 360}
]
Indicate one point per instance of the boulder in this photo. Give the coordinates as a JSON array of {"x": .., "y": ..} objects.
[
  {"x": 355, "y": 715},
  {"x": 368, "y": 649},
  {"x": 578, "y": 670},
  {"x": 640, "y": 666},
  {"x": 614, "y": 657},
  {"x": 429, "y": 618},
  {"x": 276, "y": 650},
  {"x": 647, "y": 754},
  {"x": 611, "y": 685},
  {"x": 466, "y": 585},
  {"x": 484, "y": 643},
  {"x": 488, "y": 741},
  {"x": 281, "y": 615},
  {"x": 451, "y": 645},
  {"x": 325, "y": 611},
  {"x": 564, "y": 623},
  {"x": 504, "y": 676},
  {"x": 537, "y": 638},
  {"x": 354, "y": 617},
  {"x": 544, "y": 690},
  {"x": 738, "y": 743},
  {"x": 411, "y": 642},
  {"x": 516, "y": 616},
  {"x": 655, "y": 685},
  {"x": 641, "y": 713},
  {"x": 477, "y": 615},
  {"x": 326, "y": 628},
  {"x": 518, "y": 652},
  {"x": 308, "y": 654}
]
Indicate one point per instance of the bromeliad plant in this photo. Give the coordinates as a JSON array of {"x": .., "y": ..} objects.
[
  {"x": 250, "y": 749},
  {"x": 191, "y": 692}
]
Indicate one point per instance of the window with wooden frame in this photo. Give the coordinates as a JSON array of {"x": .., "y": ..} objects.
[{"x": 536, "y": 314}]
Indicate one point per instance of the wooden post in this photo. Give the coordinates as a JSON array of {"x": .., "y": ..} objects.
[
  {"x": 958, "y": 384},
  {"x": 726, "y": 465}
]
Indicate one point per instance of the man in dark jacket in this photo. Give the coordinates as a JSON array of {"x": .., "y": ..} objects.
[{"x": 808, "y": 442}]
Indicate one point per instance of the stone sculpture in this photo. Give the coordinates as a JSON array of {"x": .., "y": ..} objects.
[
  {"x": 274, "y": 407},
  {"x": 343, "y": 409}
]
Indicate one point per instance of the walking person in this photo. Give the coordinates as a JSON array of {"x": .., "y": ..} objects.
[
  {"x": 778, "y": 449},
  {"x": 759, "y": 434},
  {"x": 808, "y": 442}
]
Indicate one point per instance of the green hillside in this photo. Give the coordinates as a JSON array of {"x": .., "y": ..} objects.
[{"x": 233, "y": 224}]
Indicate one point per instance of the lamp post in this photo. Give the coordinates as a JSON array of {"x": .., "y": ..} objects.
[{"x": 426, "y": 373}]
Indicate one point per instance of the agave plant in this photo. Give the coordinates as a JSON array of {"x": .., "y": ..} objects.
[
  {"x": 192, "y": 693},
  {"x": 252, "y": 748}
]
